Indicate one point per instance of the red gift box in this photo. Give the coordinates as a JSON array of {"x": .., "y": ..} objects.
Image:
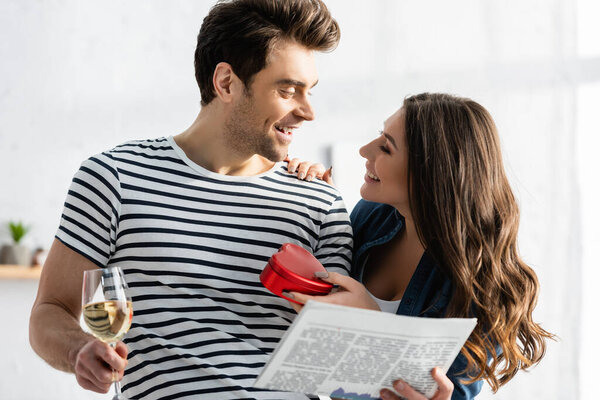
[{"x": 292, "y": 269}]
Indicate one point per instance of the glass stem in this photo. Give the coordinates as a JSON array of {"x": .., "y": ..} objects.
[
  {"x": 116, "y": 382},
  {"x": 117, "y": 385}
]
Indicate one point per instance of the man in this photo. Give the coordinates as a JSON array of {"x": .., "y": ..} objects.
[{"x": 193, "y": 219}]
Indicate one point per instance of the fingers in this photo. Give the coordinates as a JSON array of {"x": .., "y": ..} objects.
[
  {"x": 91, "y": 371},
  {"x": 122, "y": 351},
  {"x": 88, "y": 384},
  {"x": 96, "y": 362},
  {"x": 306, "y": 169},
  {"x": 388, "y": 395},
  {"x": 293, "y": 164},
  {"x": 297, "y": 307},
  {"x": 328, "y": 176},
  {"x": 113, "y": 358},
  {"x": 299, "y": 297},
  {"x": 445, "y": 385},
  {"x": 444, "y": 392},
  {"x": 314, "y": 171},
  {"x": 406, "y": 391},
  {"x": 338, "y": 279}
]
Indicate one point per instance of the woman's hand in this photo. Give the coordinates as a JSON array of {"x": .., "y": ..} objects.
[
  {"x": 308, "y": 170},
  {"x": 444, "y": 392},
  {"x": 349, "y": 292}
]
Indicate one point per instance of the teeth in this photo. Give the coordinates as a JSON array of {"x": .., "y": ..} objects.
[
  {"x": 285, "y": 129},
  {"x": 370, "y": 175}
]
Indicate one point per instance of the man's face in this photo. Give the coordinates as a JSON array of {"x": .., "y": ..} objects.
[{"x": 264, "y": 118}]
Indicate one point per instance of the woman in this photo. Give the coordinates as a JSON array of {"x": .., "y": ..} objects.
[{"x": 436, "y": 236}]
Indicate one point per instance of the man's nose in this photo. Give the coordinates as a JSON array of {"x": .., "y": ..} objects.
[{"x": 305, "y": 109}]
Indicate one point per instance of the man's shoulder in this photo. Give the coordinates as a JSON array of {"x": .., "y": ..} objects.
[
  {"x": 148, "y": 152},
  {"x": 141, "y": 151},
  {"x": 142, "y": 146},
  {"x": 280, "y": 178}
]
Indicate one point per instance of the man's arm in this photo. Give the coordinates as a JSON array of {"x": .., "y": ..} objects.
[
  {"x": 334, "y": 250},
  {"x": 54, "y": 330}
]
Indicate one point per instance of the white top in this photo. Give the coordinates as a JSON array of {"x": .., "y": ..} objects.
[
  {"x": 192, "y": 244},
  {"x": 386, "y": 305}
]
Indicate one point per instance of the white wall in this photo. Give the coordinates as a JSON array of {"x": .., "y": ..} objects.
[
  {"x": 78, "y": 77},
  {"x": 24, "y": 376}
]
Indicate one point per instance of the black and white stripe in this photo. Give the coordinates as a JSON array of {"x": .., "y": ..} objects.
[{"x": 192, "y": 244}]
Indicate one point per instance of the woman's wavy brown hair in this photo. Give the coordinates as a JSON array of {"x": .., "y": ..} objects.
[{"x": 467, "y": 217}]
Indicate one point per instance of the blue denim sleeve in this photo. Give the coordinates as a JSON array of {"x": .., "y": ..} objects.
[{"x": 462, "y": 391}]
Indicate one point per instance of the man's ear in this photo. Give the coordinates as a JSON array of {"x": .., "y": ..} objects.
[{"x": 225, "y": 82}]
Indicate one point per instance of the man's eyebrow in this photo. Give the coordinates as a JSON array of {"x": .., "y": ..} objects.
[
  {"x": 293, "y": 82},
  {"x": 390, "y": 139}
]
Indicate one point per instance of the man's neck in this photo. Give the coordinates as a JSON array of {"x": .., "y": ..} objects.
[{"x": 203, "y": 143}]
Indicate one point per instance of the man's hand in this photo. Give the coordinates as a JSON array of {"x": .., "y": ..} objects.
[
  {"x": 55, "y": 332},
  {"x": 98, "y": 365}
]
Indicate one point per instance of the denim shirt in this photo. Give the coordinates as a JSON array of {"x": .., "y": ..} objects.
[{"x": 429, "y": 289}]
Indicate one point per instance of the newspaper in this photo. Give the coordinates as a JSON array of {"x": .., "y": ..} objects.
[{"x": 351, "y": 353}]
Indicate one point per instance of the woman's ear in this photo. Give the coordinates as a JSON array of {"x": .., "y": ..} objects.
[{"x": 225, "y": 82}]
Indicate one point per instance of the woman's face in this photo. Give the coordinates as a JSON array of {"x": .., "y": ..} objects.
[{"x": 386, "y": 180}]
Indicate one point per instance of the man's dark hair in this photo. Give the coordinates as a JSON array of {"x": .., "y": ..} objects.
[{"x": 243, "y": 32}]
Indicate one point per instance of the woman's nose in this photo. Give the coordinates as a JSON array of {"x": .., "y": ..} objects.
[{"x": 365, "y": 151}]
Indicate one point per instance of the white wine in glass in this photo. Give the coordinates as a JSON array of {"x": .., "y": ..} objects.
[{"x": 107, "y": 308}]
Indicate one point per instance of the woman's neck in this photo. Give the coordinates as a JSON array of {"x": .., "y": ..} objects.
[
  {"x": 391, "y": 268},
  {"x": 410, "y": 236}
]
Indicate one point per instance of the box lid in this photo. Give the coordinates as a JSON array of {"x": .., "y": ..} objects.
[{"x": 298, "y": 265}]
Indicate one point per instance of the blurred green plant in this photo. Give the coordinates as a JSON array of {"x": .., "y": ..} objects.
[{"x": 17, "y": 231}]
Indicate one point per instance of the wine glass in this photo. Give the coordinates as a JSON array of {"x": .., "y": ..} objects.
[{"x": 107, "y": 309}]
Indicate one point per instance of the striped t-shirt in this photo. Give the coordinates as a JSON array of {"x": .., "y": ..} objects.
[{"x": 192, "y": 244}]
